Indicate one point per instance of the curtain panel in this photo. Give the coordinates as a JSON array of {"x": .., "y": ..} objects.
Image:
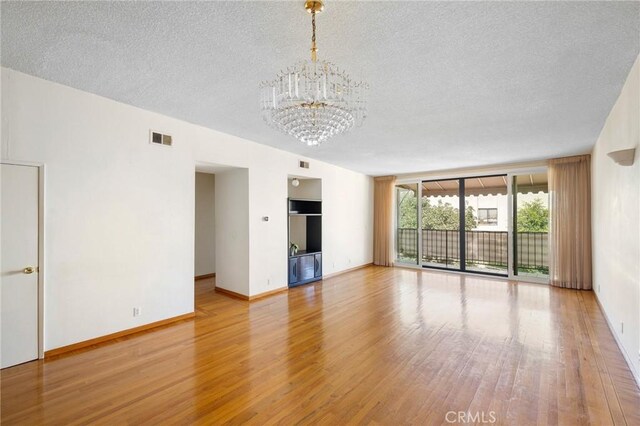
[
  {"x": 570, "y": 220},
  {"x": 383, "y": 220}
]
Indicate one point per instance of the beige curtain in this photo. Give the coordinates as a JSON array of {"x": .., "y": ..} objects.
[
  {"x": 570, "y": 217},
  {"x": 383, "y": 220}
]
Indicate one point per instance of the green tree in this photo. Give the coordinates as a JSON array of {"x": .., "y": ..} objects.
[
  {"x": 470, "y": 220},
  {"x": 407, "y": 209},
  {"x": 533, "y": 217},
  {"x": 440, "y": 216},
  {"x": 445, "y": 216}
]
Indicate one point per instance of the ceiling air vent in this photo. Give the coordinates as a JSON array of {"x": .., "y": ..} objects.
[
  {"x": 160, "y": 139},
  {"x": 304, "y": 164}
]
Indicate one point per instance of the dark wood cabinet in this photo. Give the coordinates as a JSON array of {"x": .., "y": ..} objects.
[
  {"x": 305, "y": 268},
  {"x": 293, "y": 270},
  {"x": 317, "y": 271},
  {"x": 306, "y": 265}
]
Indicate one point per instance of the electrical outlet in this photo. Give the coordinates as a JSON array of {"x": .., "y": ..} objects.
[
  {"x": 268, "y": 282},
  {"x": 598, "y": 288},
  {"x": 622, "y": 328},
  {"x": 136, "y": 312}
]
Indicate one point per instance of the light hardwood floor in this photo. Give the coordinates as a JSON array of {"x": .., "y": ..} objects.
[{"x": 374, "y": 346}]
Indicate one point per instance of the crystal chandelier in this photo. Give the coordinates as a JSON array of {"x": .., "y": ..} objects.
[{"x": 313, "y": 100}]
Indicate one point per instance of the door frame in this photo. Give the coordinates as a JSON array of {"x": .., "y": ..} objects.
[
  {"x": 41, "y": 242},
  {"x": 461, "y": 232},
  {"x": 512, "y": 231},
  {"x": 509, "y": 173}
]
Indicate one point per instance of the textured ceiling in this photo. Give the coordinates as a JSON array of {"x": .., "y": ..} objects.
[{"x": 453, "y": 84}]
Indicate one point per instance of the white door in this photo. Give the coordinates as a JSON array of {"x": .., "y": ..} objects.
[{"x": 19, "y": 236}]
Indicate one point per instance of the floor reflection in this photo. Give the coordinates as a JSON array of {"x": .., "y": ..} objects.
[{"x": 377, "y": 345}]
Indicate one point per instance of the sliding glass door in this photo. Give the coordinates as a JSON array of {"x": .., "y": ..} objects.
[
  {"x": 531, "y": 226},
  {"x": 465, "y": 224},
  {"x": 487, "y": 224},
  {"x": 407, "y": 223},
  {"x": 495, "y": 224},
  {"x": 440, "y": 221}
]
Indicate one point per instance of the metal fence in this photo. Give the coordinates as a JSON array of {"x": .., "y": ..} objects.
[
  {"x": 407, "y": 243},
  {"x": 532, "y": 250},
  {"x": 482, "y": 247},
  {"x": 440, "y": 246},
  {"x": 487, "y": 248}
]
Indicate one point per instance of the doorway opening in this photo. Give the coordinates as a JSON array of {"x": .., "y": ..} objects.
[
  {"x": 205, "y": 234},
  {"x": 221, "y": 231}
]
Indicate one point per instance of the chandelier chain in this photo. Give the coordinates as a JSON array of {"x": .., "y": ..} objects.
[
  {"x": 314, "y": 49},
  {"x": 313, "y": 26}
]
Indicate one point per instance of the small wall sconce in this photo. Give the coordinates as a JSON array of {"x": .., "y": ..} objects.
[
  {"x": 295, "y": 183},
  {"x": 624, "y": 157}
]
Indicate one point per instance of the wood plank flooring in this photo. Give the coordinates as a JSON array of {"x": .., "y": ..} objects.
[{"x": 373, "y": 346}]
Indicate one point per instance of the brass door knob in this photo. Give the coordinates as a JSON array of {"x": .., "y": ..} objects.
[{"x": 29, "y": 270}]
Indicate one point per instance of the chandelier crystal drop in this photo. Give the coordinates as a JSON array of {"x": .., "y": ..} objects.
[{"x": 313, "y": 100}]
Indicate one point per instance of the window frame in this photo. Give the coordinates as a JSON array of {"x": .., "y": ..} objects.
[{"x": 510, "y": 172}]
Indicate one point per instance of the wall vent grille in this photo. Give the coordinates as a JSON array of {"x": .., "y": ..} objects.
[
  {"x": 304, "y": 164},
  {"x": 160, "y": 139}
]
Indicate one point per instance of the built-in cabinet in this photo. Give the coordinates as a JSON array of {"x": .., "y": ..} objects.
[
  {"x": 305, "y": 268},
  {"x": 305, "y": 230}
]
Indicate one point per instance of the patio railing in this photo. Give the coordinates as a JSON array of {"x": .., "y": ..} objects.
[{"x": 482, "y": 248}]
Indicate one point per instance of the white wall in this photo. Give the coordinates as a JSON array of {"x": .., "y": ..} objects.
[
  {"x": 616, "y": 218},
  {"x": 205, "y": 232},
  {"x": 232, "y": 223},
  {"x": 119, "y": 212}
]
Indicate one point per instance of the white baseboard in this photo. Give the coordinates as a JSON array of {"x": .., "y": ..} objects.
[{"x": 626, "y": 356}]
